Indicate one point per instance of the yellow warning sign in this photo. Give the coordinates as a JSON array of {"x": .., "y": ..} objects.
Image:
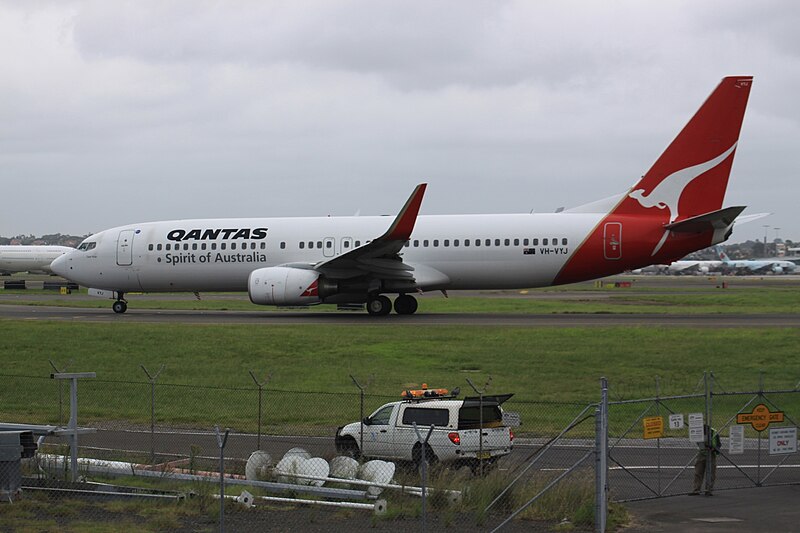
[
  {"x": 760, "y": 417},
  {"x": 653, "y": 427}
]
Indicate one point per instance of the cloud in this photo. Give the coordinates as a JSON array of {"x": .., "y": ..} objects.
[{"x": 153, "y": 110}]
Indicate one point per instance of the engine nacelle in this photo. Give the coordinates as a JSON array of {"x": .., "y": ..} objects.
[
  {"x": 704, "y": 270},
  {"x": 286, "y": 286},
  {"x": 777, "y": 269}
]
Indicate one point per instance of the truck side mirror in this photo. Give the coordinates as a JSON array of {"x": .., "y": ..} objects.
[{"x": 367, "y": 421}]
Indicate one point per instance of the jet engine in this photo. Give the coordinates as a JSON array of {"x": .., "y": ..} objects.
[
  {"x": 287, "y": 286},
  {"x": 777, "y": 269},
  {"x": 704, "y": 270}
]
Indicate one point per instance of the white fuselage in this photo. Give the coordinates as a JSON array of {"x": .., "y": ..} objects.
[
  {"x": 524, "y": 250},
  {"x": 24, "y": 258}
]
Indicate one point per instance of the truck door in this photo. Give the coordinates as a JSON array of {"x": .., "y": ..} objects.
[{"x": 378, "y": 434}]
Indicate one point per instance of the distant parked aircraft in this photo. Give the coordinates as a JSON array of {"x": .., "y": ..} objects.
[
  {"x": 24, "y": 258},
  {"x": 694, "y": 267},
  {"x": 757, "y": 266}
]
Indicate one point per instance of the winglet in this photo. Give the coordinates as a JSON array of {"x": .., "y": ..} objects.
[{"x": 403, "y": 224}]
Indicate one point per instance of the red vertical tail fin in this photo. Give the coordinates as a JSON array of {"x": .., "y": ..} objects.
[
  {"x": 691, "y": 176},
  {"x": 687, "y": 181}
]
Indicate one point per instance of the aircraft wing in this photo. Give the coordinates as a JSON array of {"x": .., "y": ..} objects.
[{"x": 380, "y": 258}]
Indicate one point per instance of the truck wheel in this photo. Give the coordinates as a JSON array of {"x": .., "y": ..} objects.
[
  {"x": 416, "y": 456},
  {"x": 348, "y": 447}
]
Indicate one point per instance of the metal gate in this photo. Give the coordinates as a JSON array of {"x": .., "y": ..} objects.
[{"x": 653, "y": 442}]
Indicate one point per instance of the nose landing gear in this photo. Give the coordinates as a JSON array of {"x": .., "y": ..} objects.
[{"x": 120, "y": 306}]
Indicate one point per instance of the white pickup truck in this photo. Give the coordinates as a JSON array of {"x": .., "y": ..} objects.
[{"x": 456, "y": 436}]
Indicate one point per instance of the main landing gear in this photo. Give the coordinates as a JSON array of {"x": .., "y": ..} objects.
[
  {"x": 120, "y": 306},
  {"x": 381, "y": 305}
]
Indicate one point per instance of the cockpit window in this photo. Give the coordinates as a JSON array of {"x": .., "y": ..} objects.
[{"x": 86, "y": 246}]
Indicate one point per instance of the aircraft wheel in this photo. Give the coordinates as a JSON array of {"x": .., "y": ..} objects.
[
  {"x": 119, "y": 306},
  {"x": 405, "y": 305},
  {"x": 379, "y": 306}
]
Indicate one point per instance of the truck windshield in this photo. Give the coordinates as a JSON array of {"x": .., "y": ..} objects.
[{"x": 469, "y": 416}]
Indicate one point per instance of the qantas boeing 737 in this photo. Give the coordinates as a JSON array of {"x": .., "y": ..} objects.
[{"x": 674, "y": 209}]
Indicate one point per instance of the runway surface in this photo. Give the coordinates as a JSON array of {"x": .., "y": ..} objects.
[{"x": 66, "y": 314}]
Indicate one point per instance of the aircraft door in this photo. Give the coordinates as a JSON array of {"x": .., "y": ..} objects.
[
  {"x": 125, "y": 248},
  {"x": 612, "y": 240},
  {"x": 329, "y": 247}
]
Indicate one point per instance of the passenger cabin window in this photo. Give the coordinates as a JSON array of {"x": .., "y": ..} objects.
[
  {"x": 425, "y": 243},
  {"x": 302, "y": 245},
  {"x": 263, "y": 246},
  {"x": 203, "y": 246},
  {"x": 544, "y": 242},
  {"x": 455, "y": 242},
  {"x": 435, "y": 242},
  {"x": 536, "y": 242},
  {"x": 416, "y": 243},
  {"x": 150, "y": 247},
  {"x": 233, "y": 246},
  {"x": 564, "y": 242},
  {"x": 222, "y": 246},
  {"x": 358, "y": 243},
  {"x": 426, "y": 417},
  {"x": 488, "y": 242},
  {"x": 283, "y": 245},
  {"x": 516, "y": 242},
  {"x": 213, "y": 246},
  {"x": 194, "y": 246}
]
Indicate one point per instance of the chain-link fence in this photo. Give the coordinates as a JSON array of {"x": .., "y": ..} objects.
[{"x": 156, "y": 455}]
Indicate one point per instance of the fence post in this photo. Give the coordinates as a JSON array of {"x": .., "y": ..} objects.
[
  {"x": 73, "y": 415},
  {"x": 658, "y": 440},
  {"x": 152, "y": 410},
  {"x": 424, "y": 463},
  {"x": 60, "y": 395},
  {"x": 361, "y": 413},
  {"x": 260, "y": 389},
  {"x": 601, "y": 459},
  {"x": 221, "y": 442},
  {"x": 480, "y": 419}
]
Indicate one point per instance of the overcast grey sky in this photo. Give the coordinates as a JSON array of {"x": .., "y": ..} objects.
[{"x": 119, "y": 112}]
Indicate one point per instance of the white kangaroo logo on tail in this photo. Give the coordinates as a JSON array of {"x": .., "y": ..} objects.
[{"x": 667, "y": 194}]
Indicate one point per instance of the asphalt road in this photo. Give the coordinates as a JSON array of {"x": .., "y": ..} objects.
[{"x": 26, "y": 312}]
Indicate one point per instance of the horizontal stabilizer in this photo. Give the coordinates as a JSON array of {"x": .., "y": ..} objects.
[
  {"x": 750, "y": 218},
  {"x": 720, "y": 219}
]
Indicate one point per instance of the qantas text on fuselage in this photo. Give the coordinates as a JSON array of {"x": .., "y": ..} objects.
[{"x": 346, "y": 260}]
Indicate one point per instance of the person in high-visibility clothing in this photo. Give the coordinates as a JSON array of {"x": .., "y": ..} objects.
[{"x": 706, "y": 459}]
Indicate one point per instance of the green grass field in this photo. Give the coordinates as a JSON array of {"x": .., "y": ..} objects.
[
  {"x": 206, "y": 380},
  {"x": 538, "y": 364}
]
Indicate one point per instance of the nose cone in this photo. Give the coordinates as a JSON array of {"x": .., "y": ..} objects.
[{"x": 59, "y": 265}]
